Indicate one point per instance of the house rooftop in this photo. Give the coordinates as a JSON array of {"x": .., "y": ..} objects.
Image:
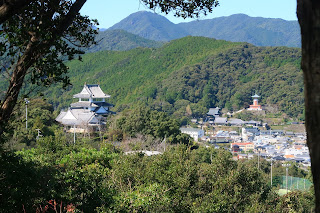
[
  {"x": 236, "y": 121},
  {"x": 213, "y": 111},
  {"x": 220, "y": 120},
  {"x": 190, "y": 129}
]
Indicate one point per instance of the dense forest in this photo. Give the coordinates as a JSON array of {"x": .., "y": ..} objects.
[
  {"x": 192, "y": 73},
  {"x": 120, "y": 40},
  {"x": 59, "y": 175}
]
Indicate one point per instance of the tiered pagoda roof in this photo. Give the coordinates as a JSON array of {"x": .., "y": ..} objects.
[{"x": 91, "y": 91}]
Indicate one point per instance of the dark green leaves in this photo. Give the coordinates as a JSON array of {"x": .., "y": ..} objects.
[{"x": 183, "y": 8}]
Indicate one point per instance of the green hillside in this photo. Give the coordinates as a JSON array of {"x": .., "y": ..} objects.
[
  {"x": 189, "y": 75},
  {"x": 120, "y": 40}
]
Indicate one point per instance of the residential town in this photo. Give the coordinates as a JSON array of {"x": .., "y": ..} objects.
[{"x": 246, "y": 139}]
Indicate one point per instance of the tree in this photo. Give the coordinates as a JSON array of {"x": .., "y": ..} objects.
[
  {"x": 308, "y": 12},
  {"x": 11, "y": 7},
  {"x": 36, "y": 41}
]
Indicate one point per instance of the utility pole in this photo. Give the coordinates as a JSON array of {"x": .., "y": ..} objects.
[
  {"x": 287, "y": 167},
  {"x": 287, "y": 179},
  {"x": 74, "y": 134},
  {"x": 27, "y": 102},
  {"x": 259, "y": 160},
  {"x": 271, "y": 173}
]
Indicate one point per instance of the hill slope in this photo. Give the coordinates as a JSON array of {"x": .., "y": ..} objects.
[
  {"x": 192, "y": 72},
  {"x": 254, "y": 30},
  {"x": 257, "y": 31},
  {"x": 121, "y": 40}
]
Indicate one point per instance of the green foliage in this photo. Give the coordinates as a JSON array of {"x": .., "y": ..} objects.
[
  {"x": 40, "y": 116},
  {"x": 254, "y": 30},
  {"x": 184, "y": 9},
  {"x": 77, "y": 174},
  {"x": 23, "y": 183},
  {"x": 194, "y": 71},
  {"x": 143, "y": 120},
  {"x": 247, "y": 116},
  {"x": 296, "y": 201},
  {"x": 40, "y": 24},
  {"x": 150, "y": 198},
  {"x": 120, "y": 40},
  {"x": 179, "y": 180}
]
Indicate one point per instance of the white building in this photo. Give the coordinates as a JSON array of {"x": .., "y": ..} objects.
[
  {"x": 88, "y": 112},
  {"x": 195, "y": 133}
]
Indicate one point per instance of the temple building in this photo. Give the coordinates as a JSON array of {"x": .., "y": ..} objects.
[
  {"x": 89, "y": 112},
  {"x": 255, "y": 106}
]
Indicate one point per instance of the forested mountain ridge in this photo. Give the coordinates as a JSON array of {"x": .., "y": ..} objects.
[
  {"x": 187, "y": 76},
  {"x": 151, "y": 26},
  {"x": 255, "y": 30},
  {"x": 120, "y": 40}
]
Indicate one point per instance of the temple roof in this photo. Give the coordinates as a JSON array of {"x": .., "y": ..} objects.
[
  {"x": 255, "y": 96},
  {"x": 88, "y": 104},
  {"x": 78, "y": 117},
  {"x": 83, "y": 104},
  {"x": 91, "y": 91}
]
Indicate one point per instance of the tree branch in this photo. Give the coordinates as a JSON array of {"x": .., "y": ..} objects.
[
  {"x": 11, "y": 7},
  {"x": 33, "y": 52},
  {"x": 68, "y": 19}
]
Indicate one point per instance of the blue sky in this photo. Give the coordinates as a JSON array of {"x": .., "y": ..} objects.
[{"x": 111, "y": 12}]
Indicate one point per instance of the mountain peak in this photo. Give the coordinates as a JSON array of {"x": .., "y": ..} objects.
[
  {"x": 150, "y": 26},
  {"x": 238, "y": 27}
]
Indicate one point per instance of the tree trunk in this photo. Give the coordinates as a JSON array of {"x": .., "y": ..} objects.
[
  {"x": 34, "y": 50},
  {"x": 15, "y": 85},
  {"x": 11, "y": 7},
  {"x": 308, "y": 12}
]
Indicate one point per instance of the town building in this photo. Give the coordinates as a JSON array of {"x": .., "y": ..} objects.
[
  {"x": 195, "y": 133},
  {"x": 89, "y": 113},
  {"x": 214, "y": 112},
  {"x": 243, "y": 146},
  {"x": 220, "y": 120},
  {"x": 235, "y": 122}
]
